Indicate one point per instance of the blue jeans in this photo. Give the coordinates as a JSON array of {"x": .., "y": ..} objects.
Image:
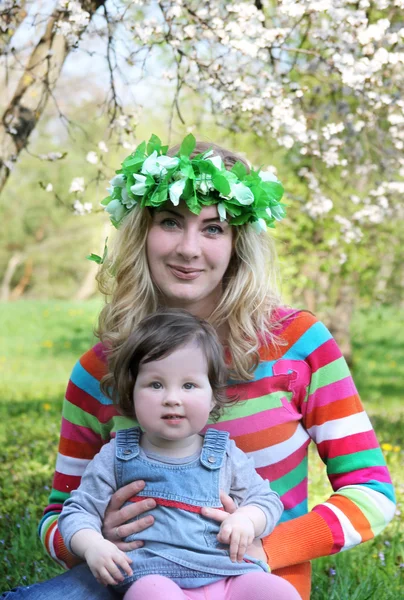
[{"x": 77, "y": 584}]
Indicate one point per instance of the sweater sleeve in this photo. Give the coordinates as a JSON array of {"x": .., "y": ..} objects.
[
  {"x": 81, "y": 437},
  {"x": 86, "y": 506},
  {"x": 363, "y": 499},
  {"x": 249, "y": 488}
]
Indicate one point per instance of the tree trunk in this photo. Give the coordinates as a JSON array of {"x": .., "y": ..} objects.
[
  {"x": 339, "y": 321},
  {"x": 15, "y": 260},
  {"x": 24, "y": 281},
  {"x": 34, "y": 88},
  {"x": 88, "y": 285}
]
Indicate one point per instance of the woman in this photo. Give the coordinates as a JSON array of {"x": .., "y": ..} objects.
[{"x": 189, "y": 238}]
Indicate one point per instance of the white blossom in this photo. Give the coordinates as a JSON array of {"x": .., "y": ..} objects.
[
  {"x": 77, "y": 185},
  {"x": 92, "y": 157}
]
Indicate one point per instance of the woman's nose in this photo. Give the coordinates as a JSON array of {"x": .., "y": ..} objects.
[{"x": 189, "y": 244}]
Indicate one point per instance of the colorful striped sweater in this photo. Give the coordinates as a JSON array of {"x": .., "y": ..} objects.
[{"x": 302, "y": 391}]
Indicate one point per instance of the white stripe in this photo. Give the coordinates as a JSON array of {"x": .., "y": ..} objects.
[
  {"x": 383, "y": 504},
  {"x": 71, "y": 466},
  {"x": 339, "y": 428},
  {"x": 351, "y": 536},
  {"x": 276, "y": 453}
]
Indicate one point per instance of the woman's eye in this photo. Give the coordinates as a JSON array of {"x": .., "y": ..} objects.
[
  {"x": 169, "y": 223},
  {"x": 156, "y": 385},
  {"x": 189, "y": 385},
  {"x": 214, "y": 229}
]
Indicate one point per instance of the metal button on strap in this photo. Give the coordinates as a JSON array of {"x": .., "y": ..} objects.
[
  {"x": 127, "y": 452},
  {"x": 211, "y": 459}
]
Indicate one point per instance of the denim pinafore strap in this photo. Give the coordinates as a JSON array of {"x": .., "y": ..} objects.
[{"x": 181, "y": 544}]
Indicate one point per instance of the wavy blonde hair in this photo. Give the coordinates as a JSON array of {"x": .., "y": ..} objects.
[{"x": 250, "y": 290}]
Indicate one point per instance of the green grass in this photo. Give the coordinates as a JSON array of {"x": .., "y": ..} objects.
[{"x": 41, "y": 341}]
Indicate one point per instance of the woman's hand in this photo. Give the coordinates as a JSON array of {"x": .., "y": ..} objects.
[
  {"x": 116, "y": 526},
  {"x": 255, "y": 549}
]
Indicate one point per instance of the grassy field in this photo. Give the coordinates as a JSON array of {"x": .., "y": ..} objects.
[{"x": 40, "y": 344}]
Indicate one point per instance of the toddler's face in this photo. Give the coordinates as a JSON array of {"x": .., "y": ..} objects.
[{"x": 173, "y": 397}]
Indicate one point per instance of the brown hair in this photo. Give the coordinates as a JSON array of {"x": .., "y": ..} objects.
[{"x": 156, "y": 337}]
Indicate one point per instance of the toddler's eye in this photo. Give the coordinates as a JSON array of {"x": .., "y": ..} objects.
[
  {"x": 156, "y": 385},
  {"x": 189, "y": 385}
]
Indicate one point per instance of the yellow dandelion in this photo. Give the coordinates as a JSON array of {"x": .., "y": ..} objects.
[
  {"x": 46, "y": 406},
  {"x": 387, "y": 447},
  {"x": 47, "y": 344},
  {"x": 45, "y": 313},
  {"x": 393, "y": 363},
  {"x": 67, "y": 344},
  {"x": 396, "y": 448}
]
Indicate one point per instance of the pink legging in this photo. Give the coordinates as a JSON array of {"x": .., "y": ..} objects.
[{"x": 252, "y": 586}]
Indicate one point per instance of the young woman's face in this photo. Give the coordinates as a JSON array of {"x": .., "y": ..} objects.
[
  {"x": 173, "y": 398},
  {"x": 188, "y": 256}
]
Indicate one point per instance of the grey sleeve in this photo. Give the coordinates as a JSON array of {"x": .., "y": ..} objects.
[
  {"x": 241, "y": 481},
  {"x": 86, "y": 506}
]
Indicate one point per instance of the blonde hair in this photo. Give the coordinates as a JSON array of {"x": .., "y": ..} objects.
[{"x": 250, "y": 291}]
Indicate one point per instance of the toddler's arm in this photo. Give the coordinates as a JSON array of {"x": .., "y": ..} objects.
[
  {"x": 102, "y": 556},
  {"x": 240, "y": 528}
]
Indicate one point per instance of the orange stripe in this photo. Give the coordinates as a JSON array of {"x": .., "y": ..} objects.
[
  {"x": 93, "y": 365},
  {"x": 299, "y": 576},
  {"x": 290, "y": 334},
  {"x": 354, "y": 514},
  {"x": 266, "y": 438},
  {"x": 76, "y": 449},
  {"x": 335, "y": 410}
]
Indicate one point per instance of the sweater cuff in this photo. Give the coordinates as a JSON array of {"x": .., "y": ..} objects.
[{"x": 298, "y": 541}]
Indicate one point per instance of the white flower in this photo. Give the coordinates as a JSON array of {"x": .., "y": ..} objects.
[
  {"x": 49, "y": 188},
  {"x": 242, "y": 193},
  {"x": 82, "y": 209},
  {"x": 116, "y": 209},
  {"x": 268, "y": 176},
  {"x": 222, "y": 211},
  {"x": 259, "y": 226},
  {"x": 139, "y": 188},
  {"x": 92, "y": 158},
  {"x": 127, "y": 201},
  {"x": 77, "y": 185},
  {"x": 102, "y": 146},
  {"x": 215, "y": 160},
  {"x": 118, "y": 181},
  {"x": 175, "y": 190},
  {"x": 157, "y": 165}
]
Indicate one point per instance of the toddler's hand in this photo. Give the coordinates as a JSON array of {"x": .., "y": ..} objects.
[
  {"x": 238, "y": 531},
  {"x": 103, "y": 560}
]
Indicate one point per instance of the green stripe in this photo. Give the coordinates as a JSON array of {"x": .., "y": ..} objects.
[
  {"x": 77, "y": 416},
  {"x": 335, "y": 371},
  {"x": 291, "y": 479},
  {"x": 247, "y": 408},
  {"x": 46, "y": 525},
  {"x": 353, "y": 462},
  {"x": 373, "y": 514},
  {"x": 120, "y": 422}
]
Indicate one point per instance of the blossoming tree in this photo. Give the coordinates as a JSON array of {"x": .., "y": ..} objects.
[{"x": 318, "y": 84}]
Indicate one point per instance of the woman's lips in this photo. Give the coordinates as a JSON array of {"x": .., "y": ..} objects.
[{"x": 187, "y": 274}]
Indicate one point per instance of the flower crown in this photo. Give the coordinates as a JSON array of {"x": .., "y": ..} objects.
[{"x": 151, "y": 178}]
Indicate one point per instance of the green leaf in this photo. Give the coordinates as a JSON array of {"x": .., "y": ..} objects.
[
  {"x": 95, "y": 258},
  {"x": 188, "y": 145},
  {"x": 153, "y": 144},
  {"x": 221, "y": 184},
  {"x": 106, "y": 201},
  {"x": 239, "y": 170}
]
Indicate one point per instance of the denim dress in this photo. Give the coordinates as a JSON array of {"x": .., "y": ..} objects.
[{"x": 181, "y": 544}]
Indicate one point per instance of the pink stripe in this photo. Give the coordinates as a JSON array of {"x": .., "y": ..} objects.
[
  {"x": 334, "y": 524},
  {"x": 250, "y": 425},
  {"x": 283, "y": 467},
  {"x": 77, "y": 433},
  {"x": 332, "y": 392},
  {"x": 324, "y": 355},
  {"x": 99, "y": 351},
  {"x": 360, "y": 476},
  {"x": 348, "y": 445},
  {"x": 262, "y": 387},
  {"x": 295, "y": 496}
]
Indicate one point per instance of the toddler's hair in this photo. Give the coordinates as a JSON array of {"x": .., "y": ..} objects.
[{"x": 155, "y": 337}]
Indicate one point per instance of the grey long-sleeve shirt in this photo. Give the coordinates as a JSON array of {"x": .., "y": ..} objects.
[{"x": 86, "y": 506}]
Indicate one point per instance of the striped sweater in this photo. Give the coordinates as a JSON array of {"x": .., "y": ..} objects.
[{"x": 302, "y": 391}]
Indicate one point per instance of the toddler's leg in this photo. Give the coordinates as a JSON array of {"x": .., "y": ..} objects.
[
  {"x": 154, "y": 587},
  {"x": 259, "y": 586}
]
